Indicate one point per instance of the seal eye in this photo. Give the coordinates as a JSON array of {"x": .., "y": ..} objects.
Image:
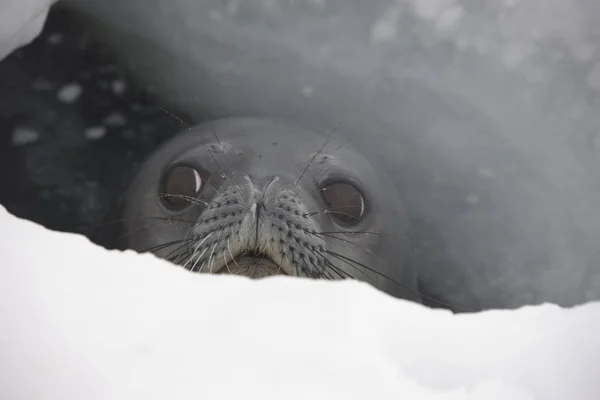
[
  {"x": 181, "y": 184},
  {"x": 344, "y": 202}
]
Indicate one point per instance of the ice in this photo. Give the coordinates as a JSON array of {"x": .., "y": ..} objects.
[
  {"x": 80, "y": 322},
  {"x": 20, "y": 22}
]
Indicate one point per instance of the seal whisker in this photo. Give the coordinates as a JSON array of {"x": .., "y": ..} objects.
[
  {"x": 175, "y": 255},
  {"x": 198, "y": 258},
  {"x": 226, "y": 264},
  {"x": 192, "y": 200},
  {"x": 339, "y": 271},
  {"x": 139, "y": 228},
  {"x": 322, "y": 272},
  {"x": 355, "y": 265},
  {"x": 189, "y": 128},
  {"x": 353, "y": 244},
  {"x": 318, "y": 256},
  {"x": 231, "y": 254},
  {"x": 165, "y": 219},
  {"x": 341, "y": 257},
  {"x": 196, "y": 250},
  {"x": 224, "y": 176},
  {"x": 282, "y": 252},
  {"x": 366, "y": 233},
  {"x": 328, "y": 210},
  {"x": 161, "y": 246},
  {"x": 214, "y": 132},
  {"x": 312, "y": 160},
  {"x": 211, "y": 260},
  {"x": 333, "y": 208},
  {"x": 343, "y": 145},
  {"x": 176, "y": 117}
]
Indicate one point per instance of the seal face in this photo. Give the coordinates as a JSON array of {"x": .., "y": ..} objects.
[{"x": 253, "y": 197}]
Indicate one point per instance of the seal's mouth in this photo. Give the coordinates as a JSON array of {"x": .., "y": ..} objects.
[{"x": 254, "y": 265}]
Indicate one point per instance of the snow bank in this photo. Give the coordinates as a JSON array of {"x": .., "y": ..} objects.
[
  {"x": 21, "y": 21},
  {"x": 80, "y": 322}
]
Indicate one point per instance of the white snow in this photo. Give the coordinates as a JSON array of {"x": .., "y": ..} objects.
[
  {"x": 20, "y": 22},
  {"x": 80, "y": 322},
  {"x": 69, "y": 93}
]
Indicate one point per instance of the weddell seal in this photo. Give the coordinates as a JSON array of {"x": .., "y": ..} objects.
[{"x": 254, "y": 197}]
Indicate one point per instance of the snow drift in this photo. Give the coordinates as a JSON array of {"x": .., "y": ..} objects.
[{"x": 80, "y": 322}]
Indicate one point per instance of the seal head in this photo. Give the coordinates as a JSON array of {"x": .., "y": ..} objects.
[{"x": 257, "y": 198}]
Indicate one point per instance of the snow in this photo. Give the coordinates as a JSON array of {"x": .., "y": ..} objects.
[
  {"x": 20, "y": 22},
  {"x": 82, "y": 322}
]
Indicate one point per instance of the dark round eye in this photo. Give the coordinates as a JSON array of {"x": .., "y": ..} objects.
[
  {"x": 181, "y": 185},
  {"x": 344, "y": 202}
]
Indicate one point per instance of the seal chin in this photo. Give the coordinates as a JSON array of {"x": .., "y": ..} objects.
[{"x": 255, "y": 266}]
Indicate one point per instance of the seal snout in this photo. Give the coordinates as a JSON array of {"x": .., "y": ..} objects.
[{"x": 257, "y": 228}]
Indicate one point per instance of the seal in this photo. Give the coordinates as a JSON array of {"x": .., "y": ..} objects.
[{"x": 255, "y": 197}]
